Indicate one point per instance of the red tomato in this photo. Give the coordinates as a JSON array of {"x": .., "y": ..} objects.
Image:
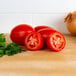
[
  {"x": 19, "y": 32},
  {"x": 54, "y": 39},
  {"x": 33, "y": 41},
  {"x": 42, "y": 27},
  {"x": 46, "y": 32}
]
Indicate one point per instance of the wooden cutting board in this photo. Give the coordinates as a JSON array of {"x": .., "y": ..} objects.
[{"x": 41, "y": 63}]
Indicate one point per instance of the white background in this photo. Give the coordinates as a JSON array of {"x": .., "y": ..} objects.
[{"x": 35, "y": 12}]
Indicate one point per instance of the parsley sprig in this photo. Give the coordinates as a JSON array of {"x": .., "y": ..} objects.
[
  {"x": 2, "y": 40},
  {"x": 10, "y": 49}
]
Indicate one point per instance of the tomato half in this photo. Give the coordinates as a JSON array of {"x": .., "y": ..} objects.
[
  {"x": 59, "y": 41},
  {"x": 56, "y": 41},
  {"x": 37, "y": 28},
  {"x": 19, "y": 32},
  {"x": 33, "y": 41}
]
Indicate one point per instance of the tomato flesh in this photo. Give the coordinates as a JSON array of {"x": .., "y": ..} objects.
[
  {"x": 56, "y": 41},
  {"x": 33, "y": 41}
]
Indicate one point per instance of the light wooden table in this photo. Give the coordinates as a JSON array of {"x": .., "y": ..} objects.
[{"x": 42, "y": 62}]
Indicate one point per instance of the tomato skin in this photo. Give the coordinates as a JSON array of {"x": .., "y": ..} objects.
[
  {"x": 19, "y": 33},
  {"x": 46, "y": 32},
  {"x": 47, "y": 35},
  {"x": 50, "y": 44},
  {"x": 39, "y": 40},
  {"x": 37, "y": 28}
]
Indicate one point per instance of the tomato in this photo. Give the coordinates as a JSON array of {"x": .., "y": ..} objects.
[
  {"x": 19, "y": 32},
  {"x": 42, "y": 27},
  {"x": 54, "y": 39},
  {"x": 46, "y": 32},
  {"x": 33, "y": 41}
]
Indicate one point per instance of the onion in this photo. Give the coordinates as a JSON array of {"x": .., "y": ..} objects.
[{"x": 71, "y": 22}]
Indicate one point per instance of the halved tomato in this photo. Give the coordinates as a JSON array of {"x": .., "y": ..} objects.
[
  {"x": 56, "y": 41},
  {"x": 33, "y": 41}
]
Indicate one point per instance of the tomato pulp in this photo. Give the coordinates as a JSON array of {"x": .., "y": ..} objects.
[
  {"x": 33, "y": 41},
  {"x": 19, "y": 33},
  {"x": 54, "y": 39}
]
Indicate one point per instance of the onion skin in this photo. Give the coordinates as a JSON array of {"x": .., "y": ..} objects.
[
  {"x": 72, "y": 28},
  {"x": 71, "y": 23}
]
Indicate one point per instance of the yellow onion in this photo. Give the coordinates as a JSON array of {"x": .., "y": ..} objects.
[{"x": 71, "y": 22}]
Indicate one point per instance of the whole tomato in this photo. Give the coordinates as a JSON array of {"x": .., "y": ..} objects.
[
  {"x": 46, "y": 32},
  {"x": 19, "y": 33},
  {"x": 37, "y": 28}
]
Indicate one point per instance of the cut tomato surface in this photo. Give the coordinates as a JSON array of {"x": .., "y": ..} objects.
[
  {"x": 56, "y": 41},
  {"x": 33, "y": 41}
]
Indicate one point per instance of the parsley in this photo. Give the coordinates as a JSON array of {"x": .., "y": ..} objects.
[
  {"x": 10, "y": 49},
  {"x": 2, "y": 40}
]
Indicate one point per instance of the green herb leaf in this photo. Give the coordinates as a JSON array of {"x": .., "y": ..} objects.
[
  {"x": 10, "y": 49},
  {"x": 8, "y": 52},
  {"x": 1, "y": 53},
  {"x": 2, "y": 40},
  {"x": 13, "y": 48}
]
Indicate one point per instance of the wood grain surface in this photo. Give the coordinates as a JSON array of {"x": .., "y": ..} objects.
[{"x": 42, "y": 62}]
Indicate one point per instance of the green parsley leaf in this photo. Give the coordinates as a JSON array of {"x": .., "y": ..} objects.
[{"x": 10, "y": 49}]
